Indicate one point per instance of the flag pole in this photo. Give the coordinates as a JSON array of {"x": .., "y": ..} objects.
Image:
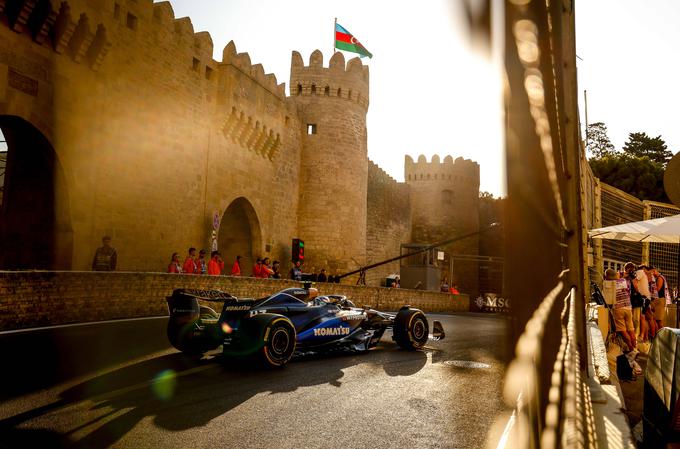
[{"x": 334, "y": 26}]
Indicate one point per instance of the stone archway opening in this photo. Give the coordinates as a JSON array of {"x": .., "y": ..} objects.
[
  {"x": 240, "y": 235},
  {"x": 35, "y": 225}
]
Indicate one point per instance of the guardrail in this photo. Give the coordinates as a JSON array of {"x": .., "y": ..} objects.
[{"x": 567, "y": 417}]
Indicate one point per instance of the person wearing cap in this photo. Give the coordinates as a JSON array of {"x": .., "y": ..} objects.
[{"x": 216, "y": 264}]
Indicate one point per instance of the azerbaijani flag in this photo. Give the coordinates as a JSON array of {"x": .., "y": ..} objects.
[{"x": 344, "y": 40}]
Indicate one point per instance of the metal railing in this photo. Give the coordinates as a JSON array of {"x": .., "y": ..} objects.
[{"x": 545, "y": 234}]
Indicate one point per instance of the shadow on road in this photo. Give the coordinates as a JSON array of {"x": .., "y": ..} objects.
[
  {"x": 43, "y": 358},
  {"x": 181, "y": 393}
]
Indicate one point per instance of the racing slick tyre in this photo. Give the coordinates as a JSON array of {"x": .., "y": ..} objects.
[
  {"x": 275, "y": 339},
  {"x": 411, "y": 329}
]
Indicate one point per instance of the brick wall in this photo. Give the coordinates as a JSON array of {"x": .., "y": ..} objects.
[{"x": 34, "y": 299}]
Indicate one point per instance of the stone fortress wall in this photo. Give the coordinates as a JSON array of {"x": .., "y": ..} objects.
[
  {"x": 150, "y": 137},
  {"x": 444, "y": 204}
]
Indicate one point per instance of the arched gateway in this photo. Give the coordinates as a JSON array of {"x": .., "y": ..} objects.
[
  {"x": 35, "y": 224},
  {"x": 240, "y": 234}
]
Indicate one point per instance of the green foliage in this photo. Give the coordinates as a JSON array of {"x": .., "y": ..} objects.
[
  {"x": 641, "y": 145},
  {"x": 597, "y": 142},
  {"x": 638, "y": 176}
]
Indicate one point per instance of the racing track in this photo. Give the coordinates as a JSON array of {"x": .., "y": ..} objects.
[{"x": 92, "y": 386}]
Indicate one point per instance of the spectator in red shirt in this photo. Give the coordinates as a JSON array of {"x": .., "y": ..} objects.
[
  {"x": 257, "y": 268},
  {"x": 454, "y": 290},
  {"x": 266, "y": 270},
  {"x": 236, "y": 268},
  {"x": 174, "y": 266},
  {"x": 216, "y": 264},
  {"x": 190, "y": 266}
]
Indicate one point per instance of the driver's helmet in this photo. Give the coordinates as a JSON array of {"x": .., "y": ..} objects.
[{"x": 313, "y": 293}]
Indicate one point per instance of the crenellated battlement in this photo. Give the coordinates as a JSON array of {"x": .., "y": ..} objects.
[
  {"x": 338, "y": 80},
  {"x": 241, "y": 61},
  {"x": 448, "y": 171},
  {"x": 66, "y": 29}
]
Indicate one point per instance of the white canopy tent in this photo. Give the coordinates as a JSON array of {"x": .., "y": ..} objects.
[{"x": 658, "y": 230}]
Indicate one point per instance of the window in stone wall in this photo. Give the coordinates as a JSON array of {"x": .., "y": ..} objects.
[
  {"x": 195, "y": 64},
  {"x": 339, "y": 92},
  {"x": 327, "y": 91},
  {"x": 311, "y": 128},
  {"x": 299, "y": 91},
  {"x": 349, "y": 94},
  {"x": 313, "y": 89},
  {"x": 116, "y": 11},
  {"x": 447, "y": 197},
  {"x": 131, "y": 21},
  {"x": 208, "y": 72}
]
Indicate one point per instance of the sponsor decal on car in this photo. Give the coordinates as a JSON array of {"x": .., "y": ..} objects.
[
  {"x": 234, "y": 308},
  {"x": 184, "y": 311},
  {"x": 331, "y": 331},
  {"x": 352, "y": 317}
]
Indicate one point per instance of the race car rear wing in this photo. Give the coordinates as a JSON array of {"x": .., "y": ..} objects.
[{"x": 186, "y": 301}]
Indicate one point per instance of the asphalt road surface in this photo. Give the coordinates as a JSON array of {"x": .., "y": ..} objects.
[{"x": 118, "y": 385}]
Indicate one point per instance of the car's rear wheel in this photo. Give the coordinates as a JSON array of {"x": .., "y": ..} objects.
[
  {"x": 275, "y": 339},
  {"x": 411, "y": 329}
]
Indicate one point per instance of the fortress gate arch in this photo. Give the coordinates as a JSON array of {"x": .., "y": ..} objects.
[
  {"x": 35, "y": 222},
  {"x": 240, "y": 234}
]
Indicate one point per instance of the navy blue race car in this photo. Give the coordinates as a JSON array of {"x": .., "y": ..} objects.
[{"x": 293, "y": 321}]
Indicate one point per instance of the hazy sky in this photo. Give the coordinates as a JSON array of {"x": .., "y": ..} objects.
[{"x": 630, "y": 66}]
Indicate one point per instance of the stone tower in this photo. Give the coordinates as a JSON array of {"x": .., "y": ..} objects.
[
  {"x": 445, "y": 204},
  {"x": 332, "y": 104}
]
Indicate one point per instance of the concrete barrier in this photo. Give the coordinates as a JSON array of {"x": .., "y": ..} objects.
[{"x": 44, "y": 298}]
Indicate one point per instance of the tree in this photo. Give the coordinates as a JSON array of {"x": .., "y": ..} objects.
[
  {"x": 638, "y": 176},
  {"x": 640, "y": 145},
  {"x": 597, "y": 141}
]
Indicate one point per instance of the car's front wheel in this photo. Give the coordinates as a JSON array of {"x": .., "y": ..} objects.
[{"x": 411, "y": 329}]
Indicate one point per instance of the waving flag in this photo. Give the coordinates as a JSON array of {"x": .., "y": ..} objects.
[{"x": 344, "y": 40}]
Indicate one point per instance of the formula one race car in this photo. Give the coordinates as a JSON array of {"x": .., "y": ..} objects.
[{"x": 293, "y": 321}]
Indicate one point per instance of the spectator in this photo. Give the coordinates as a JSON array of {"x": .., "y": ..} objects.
[
  {"x": 295, "y": 272},
  {"x": 105, "y": 257},
  {"x": 266, "y": 269},
  {"x": 216, "y": 264},
  {"x": 636, "y": 299},
  {"x": 236, "y": 268},
  {"x": 444, "y": 287},
  {"x": 454, "y": 290},
  {"x": 276, "y": 268},
  {"x": 202, "y": 264},
  {"x": 659, "y": 305},
  {"x": 322, "y": 276},
  {"x": 622, "y": 310},
  {"x": 396, "y": 283},
  {"x": 257, "y": 268},
  {"x": 190, "y": 263},
  {"x": 641, "y": 285},
  {"x": 175, "y": 266}
]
